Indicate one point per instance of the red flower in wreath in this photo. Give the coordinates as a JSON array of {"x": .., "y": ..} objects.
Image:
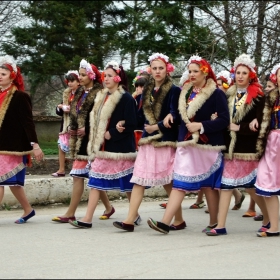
[
  {"x": 102, "y": 76},
  {"x": 273, "y": 78},
  {"x": 204, "y": 69},
  {"x": 252, "y": 75}
]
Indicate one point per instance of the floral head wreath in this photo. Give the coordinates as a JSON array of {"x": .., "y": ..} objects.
[
  {"x": 184, "y": 78},
  {"x": 135, "y": 79},
  {"x": 273, "y": 73},
  {"x": 84, "y": 64},
  {"x": 226, "y": 78},
  {"x": 139, "y": 75},
  {"x": 9, "y": 62},
  {"x": 115, "y": 66},
  {"x": 169, "y": 66},
  {"x": 254, "y": 89},
  {"x": 73, "y": 72},
  {"x": 204, "y": 66},
  {"x": 244, "y": 59}
]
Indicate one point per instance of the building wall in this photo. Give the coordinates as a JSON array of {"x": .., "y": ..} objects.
[{"x": 47, "y": 128}]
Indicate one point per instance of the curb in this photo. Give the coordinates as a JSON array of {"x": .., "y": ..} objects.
[{"x": 42, "y": 190}]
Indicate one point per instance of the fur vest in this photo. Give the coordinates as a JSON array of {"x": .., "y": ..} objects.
[
  {"x": 77, "y": 145},
  {"x": 245, "y": 144},
  {"x": 207, "y": 102},
  {"x": 17, "y": 128},
  {"x": 66, "y": 116},
  {"x": 155, "y": 112},
  {"x": 104, "y": 116},
  {"x": 270, "y": 100}
]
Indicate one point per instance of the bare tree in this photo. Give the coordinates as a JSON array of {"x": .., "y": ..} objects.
[
  {"x": 245, "y": 27},
  {"x": 10, "y": 16}
]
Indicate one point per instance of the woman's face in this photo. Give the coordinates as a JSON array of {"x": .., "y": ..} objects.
[
  {"x": 269, "y": 86},
  {"x": 220, "y": 85},
  {"x": 242, "y": 79},
  {"x": 73, "y": 85},
  {"x": 196, "y": 76},
  {"x": 109, "y": 75},
  {"x": 139, "y": 89},
  {"x": 84, "y": 79},
  {"x": 5, "y": 79},
  {"x": 158, "y": 71}
]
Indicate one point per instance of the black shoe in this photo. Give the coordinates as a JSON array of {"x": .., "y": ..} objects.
[
  {"x": 267, "y": 234},
  {"x": 126, "y": 227},
  {"x": 79, "y": 224},
  {"x": 178, "y": 227},
  {"x": 158, "y": 226}
]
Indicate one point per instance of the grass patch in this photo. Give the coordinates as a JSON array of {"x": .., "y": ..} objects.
[
  {"x": 6, "y": 207},
  {"x": 49, "y": 147},
  {"x": 67, "y": 201}
]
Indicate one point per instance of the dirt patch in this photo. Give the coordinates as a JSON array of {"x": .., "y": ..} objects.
[{"x": 48, "y": 166}]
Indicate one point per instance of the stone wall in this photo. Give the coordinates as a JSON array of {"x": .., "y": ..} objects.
[
  {"x": 47, "y": 127},
  {"x": 47, "y": 190}
]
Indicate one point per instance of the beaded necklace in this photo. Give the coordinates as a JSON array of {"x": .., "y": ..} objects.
[
  {"x": 5, "y": 89},
  {"x": 80, "y": 102},
  {"x": 190, "y": 96},
  {"x": 240, "y": 99},
  {"x": 241, "y": 92}
]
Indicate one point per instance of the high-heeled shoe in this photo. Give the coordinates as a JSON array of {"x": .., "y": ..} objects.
[{"x": 24, "y": 219}]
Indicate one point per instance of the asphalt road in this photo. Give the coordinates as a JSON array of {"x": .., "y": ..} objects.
[{"x": 42, "y": 249}]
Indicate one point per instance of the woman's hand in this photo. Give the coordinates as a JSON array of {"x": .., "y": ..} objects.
[
  {"x": 66, "y": 108},
  {"x": 120, "y": 126},
  {"x": 37, "y": 152},
  {"x": 72, "y": 132},
  {"x": 194, "y": 126},
  {"x": 167, "y": 120},
  {"x": 107, "y": 135},
  {"x": 214, "y": 116},
  {"x": 81, "y": 132},
  {"x": 254, "y": 125},
  {"x": 234, "y": 127},
  {"x": 151, "y": 128}
]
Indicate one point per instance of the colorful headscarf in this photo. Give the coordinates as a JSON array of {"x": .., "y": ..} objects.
[
  {"x": 9, "y": 62},
  {"x": 226, "y": 78},
  {"x": 254, "y": 89},
  {"x": 273, "y": 74},
  {"x": 204, "y": 66}
]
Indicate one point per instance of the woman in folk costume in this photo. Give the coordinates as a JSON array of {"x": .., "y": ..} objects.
[
  {"x": 155, "y": 158},
  {"x": 224, "y": 82},
  {"x": 199, "y": 159},
  {"x": 139, "y": 82},
  {"x": 111, "y": 150},
  {"x": 267, "y": 183},
  {"x": 244, "y": 147},
  {"x": 78, "y": 128},
  {"x": 63, "y": 109},
  {"x": 18, "y": 139}
]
